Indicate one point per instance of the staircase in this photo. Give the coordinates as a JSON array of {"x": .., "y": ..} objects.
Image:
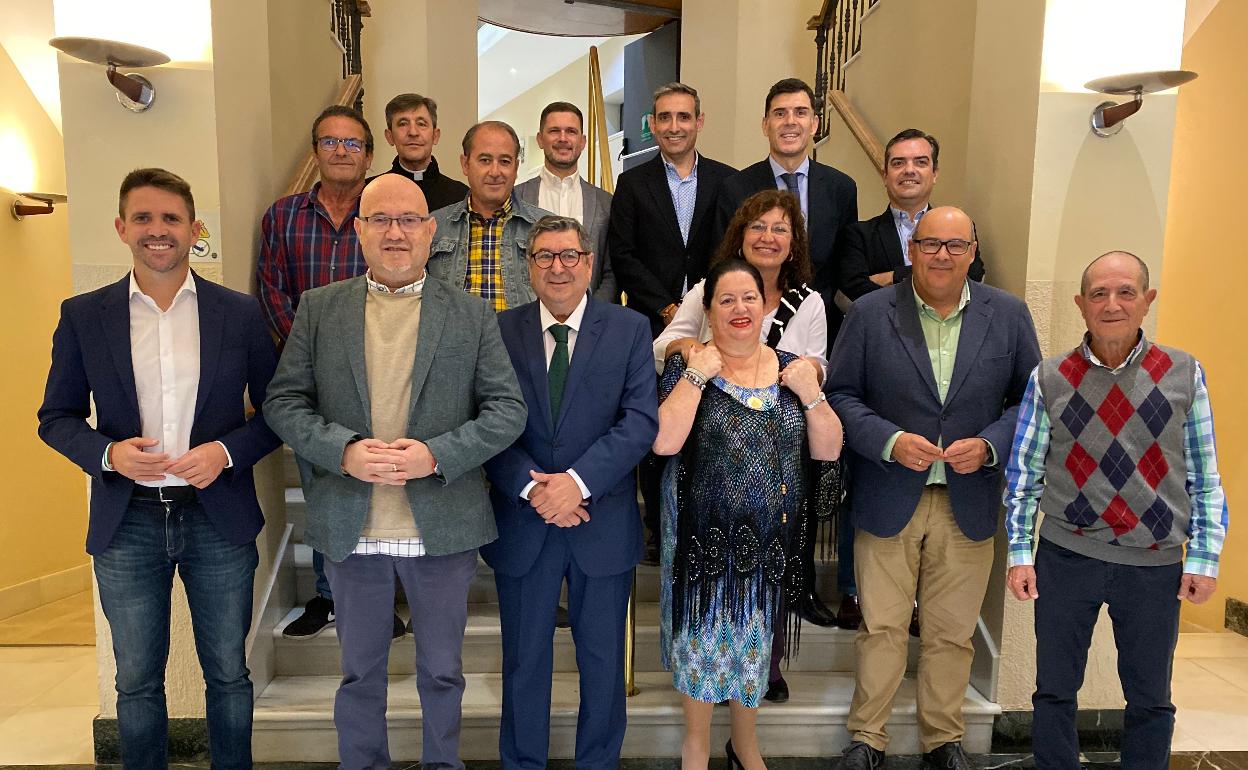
[{"x": 294, "y": 714}]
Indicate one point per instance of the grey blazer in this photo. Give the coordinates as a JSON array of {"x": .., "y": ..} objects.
[
  {"x": 596, "y": 204},
  {"x": 466, "y": 405}
]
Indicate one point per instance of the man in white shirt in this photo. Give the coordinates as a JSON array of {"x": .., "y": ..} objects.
[
  {"x": 559, "y": 189},
  {"x": 166, "y": 357}
]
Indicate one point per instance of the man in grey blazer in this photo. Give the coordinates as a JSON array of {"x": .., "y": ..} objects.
[
  {"x": 559, "y": 189},
  {"x": 926, "y": 376},
  {"x": 393, "y": 389}
]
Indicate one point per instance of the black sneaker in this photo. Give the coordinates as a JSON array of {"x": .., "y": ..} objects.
[
  {"x": 316, "y": 617},
  {"x": 860, "y": 756},
  {"x": 400, "y": 628},
  {"x": 949, "y": 756}
]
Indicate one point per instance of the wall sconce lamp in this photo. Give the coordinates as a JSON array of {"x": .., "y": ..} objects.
[
  {"x": 1108, "y": 117},
  {"x": 47, "y": 201},
  {"x": 134, "y": 92}
]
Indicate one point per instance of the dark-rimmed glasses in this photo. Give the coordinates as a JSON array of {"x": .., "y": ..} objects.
[
  {"x": 955, "y": 246},
  {"x": 568, "y": 257}
]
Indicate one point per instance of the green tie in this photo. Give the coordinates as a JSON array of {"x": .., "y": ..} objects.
[{"x": 557, "y": 374}]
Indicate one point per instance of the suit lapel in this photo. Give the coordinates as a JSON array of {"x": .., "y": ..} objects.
[
  {"x": 533, "y": 348},
  {"x": 976, "y": 320},
  {"x": 586, "y": 341},
  {"x": 818, "y": 205},
  {"x": 905, "y": 318},
  {"x": 211, "y": 330},
  {"x": 115, "y": 316},
  {"x": 351, "y": 323},
  {"x": 529, "y": 191},
  {"x": 433, "y": 313},
  {"x": 657, "y": 178},
  {"x": 589, "y": 204},
  {"x": 702, "y": 199},
  {"x": 886, "y": 231}
]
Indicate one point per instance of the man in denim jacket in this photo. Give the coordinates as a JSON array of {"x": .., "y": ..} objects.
[{"x": 480, "y": 241}]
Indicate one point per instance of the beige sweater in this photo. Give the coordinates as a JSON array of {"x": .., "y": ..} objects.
[{"x": 391, "y": 323}]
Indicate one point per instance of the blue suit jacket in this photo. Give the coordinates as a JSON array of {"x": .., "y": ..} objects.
[
  {"x": 880, "y": 381},
  {"x": 607, "y": 421},
  {"x": 91, "y": 359}
]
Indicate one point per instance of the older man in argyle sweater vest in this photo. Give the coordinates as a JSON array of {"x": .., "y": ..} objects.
[{"x": 1115, "y": 445}]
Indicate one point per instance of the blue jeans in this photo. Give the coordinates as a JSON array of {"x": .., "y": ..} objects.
[
  {"x": 135, "y": 576},
  {"x": 322, "y": 582},
  {"x": 1144, "y": 608}
]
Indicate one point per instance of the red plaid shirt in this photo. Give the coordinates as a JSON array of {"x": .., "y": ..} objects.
[{"x": 300, "y": 249}]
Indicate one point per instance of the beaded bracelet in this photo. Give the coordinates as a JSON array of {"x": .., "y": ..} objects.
[{"x": 697, "y": 378}]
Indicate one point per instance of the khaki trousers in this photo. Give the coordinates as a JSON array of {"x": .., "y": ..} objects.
[{"x": 950, "y": 573}]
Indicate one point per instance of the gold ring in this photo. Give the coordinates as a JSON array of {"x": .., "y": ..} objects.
[{"x": 394, "y": 468}]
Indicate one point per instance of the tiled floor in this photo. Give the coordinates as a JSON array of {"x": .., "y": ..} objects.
[{"x": 48, "y": 699}]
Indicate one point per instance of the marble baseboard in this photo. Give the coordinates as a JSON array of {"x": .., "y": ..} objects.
[
  {"x": 1099, "y": 730},
  {"x": 188, "y": 740},
  {"x": 1237, "y": 616}
]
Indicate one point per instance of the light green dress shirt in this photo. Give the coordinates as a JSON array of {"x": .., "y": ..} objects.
[{"x": 941, "y": 335}]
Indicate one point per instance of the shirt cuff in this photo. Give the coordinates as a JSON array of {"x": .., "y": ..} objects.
[
  {"x": 1200, "y": 563},
  {"x": 104, "y": 457},
  {"x": 577, "y": 478},
  {"x": 992, "y": 453},
  {"x": 524, "y": 493},
  {"x": 887, "y": 454},
  {"x": 1020, "y": 556},
  {"x": 229, "y": 461}
]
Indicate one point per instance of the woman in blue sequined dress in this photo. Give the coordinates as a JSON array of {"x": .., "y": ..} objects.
[{"x": 740, "y": 417}]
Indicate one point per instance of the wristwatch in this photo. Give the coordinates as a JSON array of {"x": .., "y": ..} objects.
[{"x": 822, "y": 397}]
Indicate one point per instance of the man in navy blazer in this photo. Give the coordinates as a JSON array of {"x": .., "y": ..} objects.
[
  {"x": 564, "y": 497},
  {"x": 927, "y": 377},
  {"x": 167, "y": 356}
]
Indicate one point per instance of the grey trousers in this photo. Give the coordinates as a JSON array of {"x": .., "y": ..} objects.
[{"x": 437, "y": 592}]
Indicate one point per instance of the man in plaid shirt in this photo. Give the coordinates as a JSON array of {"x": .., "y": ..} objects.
[
  {"x": 1115, "y": 445},
  {"x": 308, "y": 240}
]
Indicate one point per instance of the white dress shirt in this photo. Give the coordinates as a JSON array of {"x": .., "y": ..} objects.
[
  {"x": 906, "y": 227},
  {"x": 561, "y": 196},
  {"x": 548, "y": 341}
]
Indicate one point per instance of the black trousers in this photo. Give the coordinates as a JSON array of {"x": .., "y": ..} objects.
[{"x": 1144, "y": 608}]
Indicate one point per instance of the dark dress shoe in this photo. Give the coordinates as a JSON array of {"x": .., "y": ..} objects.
[
  {"x": 777, "y": 691},
  {"x": 949, "y": 756},
  {"x": 734, "y": 762},
  {"x": 860, "y": 756},
  {"x": 561, "y": 617},
  {"x": 813, "y": 610},
  {"x": 652, "y": 554},
  {"x": 398, "y": 629},
  {"x": 914, "y": 623},
  {"x": 849, "y": 615}
]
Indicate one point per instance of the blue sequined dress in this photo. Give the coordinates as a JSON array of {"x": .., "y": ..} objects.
[{"x": 731, "y": 509}]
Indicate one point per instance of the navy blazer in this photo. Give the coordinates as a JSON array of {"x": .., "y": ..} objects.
[
  {"x": 607, "y": 421},
  {"x": 91, "y": 359},
  {"x": 832, "y": 205},
  {"x": 880, "y": 381},
  {"x": 871, "y": 247},
  {"x": 651, "y": 262}
]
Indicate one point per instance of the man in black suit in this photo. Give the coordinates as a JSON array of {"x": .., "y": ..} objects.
[
  {"x": 875, "y": 252},
  {"x": 829, "y": 197},
  {"x": 661, "y": 233}
]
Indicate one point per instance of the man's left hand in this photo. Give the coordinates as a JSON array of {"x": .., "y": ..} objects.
[
  {"x": 966, "y": 455},
  {"x": 201, "y": 465},
  {"x": 556, "y": 494},
  {"x": 412, "y": 457},
  {"x": 1197, "y": 588}
]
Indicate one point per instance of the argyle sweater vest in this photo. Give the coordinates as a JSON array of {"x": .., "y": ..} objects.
[{"x": 1115, "y": 477}]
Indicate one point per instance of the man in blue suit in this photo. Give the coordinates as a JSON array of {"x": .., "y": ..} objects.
[
  {"x": 167, "y": 356},
  {"x": 564, "y": 497},
  {"x": 927, "y": 377}
]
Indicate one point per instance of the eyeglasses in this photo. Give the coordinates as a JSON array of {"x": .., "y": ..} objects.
[
  {"x": 330, "y": 143},
  {"x": 779, "y": 229},
  {"x": 568, "y": 257},
  {"x": 407, "y": 223},
  {"x": 955, "y": 246}
]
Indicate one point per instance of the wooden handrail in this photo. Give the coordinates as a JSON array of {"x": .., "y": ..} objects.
[
  {"x": 307, "y": 172},
  {"x": 872, "y": 146}
]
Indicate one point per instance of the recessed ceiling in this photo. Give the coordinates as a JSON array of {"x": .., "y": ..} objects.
[{"x": 580, "y": 17}]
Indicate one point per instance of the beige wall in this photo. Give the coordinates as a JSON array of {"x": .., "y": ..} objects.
[
  {"x": 35, "y": 255},
  {"x": 400, "y": 56},
  {"x": 732, "y": 51},
  {"x": 305, "y": 76},
  {"x": 1204, "y": 269}
]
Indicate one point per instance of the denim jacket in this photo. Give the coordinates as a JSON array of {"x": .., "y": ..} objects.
[{"x": 448, "y": 257}]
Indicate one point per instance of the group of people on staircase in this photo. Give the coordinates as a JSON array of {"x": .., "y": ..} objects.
[{"x": 458, "y": 376}]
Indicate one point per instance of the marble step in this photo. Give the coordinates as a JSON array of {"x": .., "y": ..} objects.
[
  {"x": 294, "y": 719},
  {"x": 483, "y": 591},
  {"x": 822, "y": 649}
]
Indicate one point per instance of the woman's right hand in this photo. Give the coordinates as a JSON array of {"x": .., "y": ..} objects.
[{"x": 705, "y": 358}]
